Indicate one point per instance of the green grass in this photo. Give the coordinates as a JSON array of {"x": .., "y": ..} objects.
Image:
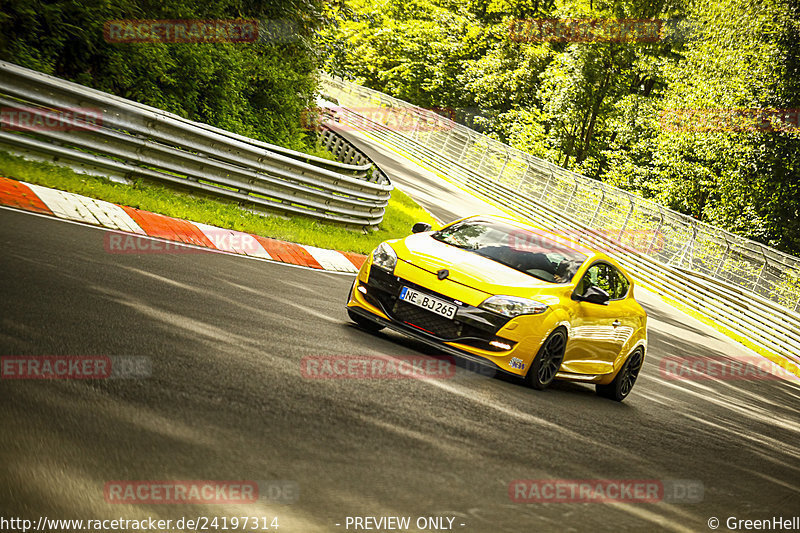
[{"x": 401, "y": 213}]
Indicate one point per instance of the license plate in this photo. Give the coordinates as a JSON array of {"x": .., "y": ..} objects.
[{"x": 431, "y": 303}]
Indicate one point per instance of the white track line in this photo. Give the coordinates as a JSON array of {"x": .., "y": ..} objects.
[
  {"x": 331, "y": 259},
  {"x": 83, "y": 209}
]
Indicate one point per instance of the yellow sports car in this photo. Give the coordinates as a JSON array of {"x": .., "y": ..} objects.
[{"x": 496, "y": 291}]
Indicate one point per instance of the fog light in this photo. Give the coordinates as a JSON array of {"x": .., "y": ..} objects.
[
  {"x": 362, "y": 289},
  {"x": 501, "y": 345}
]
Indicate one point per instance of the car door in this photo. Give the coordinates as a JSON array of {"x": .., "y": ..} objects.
[
  {"x": 595, "y": 339},
  {"x": 628, "y": 312}
]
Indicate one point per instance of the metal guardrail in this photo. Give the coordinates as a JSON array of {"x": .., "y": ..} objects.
[
  {"x": 132, "y": 140},
  {"x": 765, "y": 321},
  {"x": 347, "y": 152}
]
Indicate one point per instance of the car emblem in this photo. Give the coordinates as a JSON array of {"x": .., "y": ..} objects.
[{"x": 443, "y": 273}]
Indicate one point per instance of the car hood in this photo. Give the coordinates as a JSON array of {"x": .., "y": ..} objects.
[{"x": 468, "y": 268}]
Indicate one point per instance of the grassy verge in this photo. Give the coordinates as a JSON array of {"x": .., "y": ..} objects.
[{"x": 401, "y": 213}]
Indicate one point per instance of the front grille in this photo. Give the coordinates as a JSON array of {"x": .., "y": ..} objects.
[
  {"x": 470, "y": 322},
  {"x": 438, "y": 325}
]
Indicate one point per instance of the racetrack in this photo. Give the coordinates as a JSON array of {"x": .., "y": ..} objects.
[{"x": 226, "y": 400}]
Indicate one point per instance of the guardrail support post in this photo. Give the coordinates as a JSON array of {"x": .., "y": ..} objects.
[
  {"x": 483, "y": 156},
  {"x": 761, "y": 272},
  {"x": 524, "y": 177},
  {"x": 758, "y": 279},
  {"x": 464, "y": 149},
  {"x": 546, "y": 185},
  {"x": 446, "y": 139},
  {"x": 627, "y": 218},
  {"x": 686, "y": 249},
  {"x": 503, "y": 169},
  {"x": 657, "y": 232},
  {"x": 571, "y": 196},
  {"x": 724, "y": 257},
  {"x": 599, "y": 205}
]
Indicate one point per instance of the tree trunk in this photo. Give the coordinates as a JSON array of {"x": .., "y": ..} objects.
[{"x": 587, "y": 139}]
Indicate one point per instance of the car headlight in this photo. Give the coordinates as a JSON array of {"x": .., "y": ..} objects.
[
  {"x": 512, "y": 306},
  {"x": 384, "y": 257}
]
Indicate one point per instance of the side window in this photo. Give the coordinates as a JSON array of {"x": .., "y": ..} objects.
[
  {"x": 606, "y": 277},
  {"x": 619, "y": 285},
  {"x": 596, "y": 276}
]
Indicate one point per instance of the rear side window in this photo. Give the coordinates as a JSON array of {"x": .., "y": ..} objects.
[
  {"x": 619, "y": 285},
  {"x": 606, "y": 277}
]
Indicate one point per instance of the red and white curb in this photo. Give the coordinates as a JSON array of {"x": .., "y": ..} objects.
[{"x": 70, "y": 206}]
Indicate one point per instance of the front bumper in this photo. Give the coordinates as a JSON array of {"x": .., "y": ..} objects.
[
  {"x": 470, "y": 335},
  {"x": 481, "y": 365}
]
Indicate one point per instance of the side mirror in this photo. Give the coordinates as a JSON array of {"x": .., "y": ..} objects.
[
  {"x": 420, "y": 227},
  {"x": 594, "y": 295}
]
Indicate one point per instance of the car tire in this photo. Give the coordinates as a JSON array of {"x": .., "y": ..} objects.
[
  {"x": 625, "y": 379},
  {"x": 364, "y": 323},
  {"x": 547, "y": 361}
]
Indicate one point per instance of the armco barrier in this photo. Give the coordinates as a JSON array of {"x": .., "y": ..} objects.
[
  {"x": 346, "y": 152},
  {"x": 131, "y": 140},
  {"x": 764, "y": 321}
]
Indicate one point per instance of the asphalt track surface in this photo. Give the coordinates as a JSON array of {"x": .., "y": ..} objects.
[{"x": 226, "y": 400}]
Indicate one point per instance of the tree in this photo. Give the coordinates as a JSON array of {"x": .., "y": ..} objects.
[{"x": 711, "y": 156}]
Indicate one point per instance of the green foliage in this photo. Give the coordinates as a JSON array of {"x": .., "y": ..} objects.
[
  {"x": 597, "y": 108},
  {"x": 257, "y": 89},
  {"x": 742, "y": 56}
]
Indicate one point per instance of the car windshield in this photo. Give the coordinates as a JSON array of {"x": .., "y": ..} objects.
[{"x": 532, "y": 253}]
